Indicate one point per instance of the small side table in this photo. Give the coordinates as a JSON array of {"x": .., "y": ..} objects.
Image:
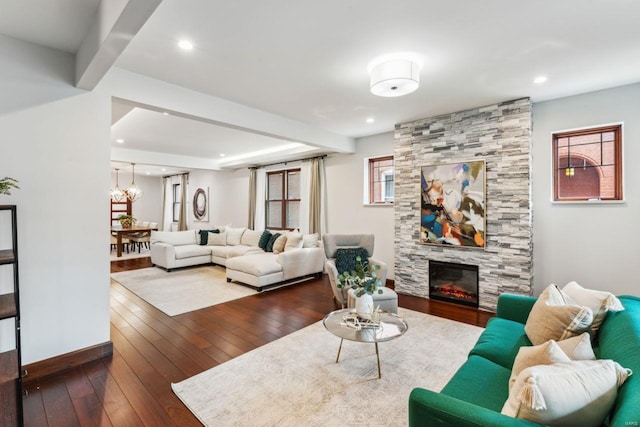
[{"x": 391, "y": 326}]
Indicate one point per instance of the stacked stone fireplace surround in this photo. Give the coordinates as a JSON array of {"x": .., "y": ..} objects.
[{"x": 500, "y": 135}]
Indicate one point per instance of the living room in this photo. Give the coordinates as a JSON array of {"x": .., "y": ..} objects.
[{"x": 58, "y": 144}]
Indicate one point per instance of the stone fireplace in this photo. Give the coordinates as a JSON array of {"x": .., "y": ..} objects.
[{"x": 499, "y": 134}]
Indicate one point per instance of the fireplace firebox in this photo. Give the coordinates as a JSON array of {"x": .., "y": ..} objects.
[{"x": 451, "y": 282}]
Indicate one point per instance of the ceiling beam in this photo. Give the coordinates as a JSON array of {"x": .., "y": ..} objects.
[{"x": 115, "y": 24}]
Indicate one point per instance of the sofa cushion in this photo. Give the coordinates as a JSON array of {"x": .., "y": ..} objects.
[
  {"x": 543, "y": 354},
  {"x": 481, "y": 382},
  {"x": 578, "y": 348},
  {"x": 264, "y": 239},
  {"x": 599, "y": 302},
  {"x": 217, "y": 239},
  {"x": 204, "y": 234},
  {"x": 310, "y": 240},
  {"x": 555, "y": 316},
  {"x": 346, "y": 258},
  {"x": 234, "y": 235},
  {"x": 240, "y": 250},
  {"x": 578, "y": 393},
  {"x": 175, "y": 238},
  {"x": 279, "y": 244},
  {"x": 294, "y": 240},
  {"x": 256, "y": 265},
  {"x": 220, "y": 251},
  {"x": 501, "y": 341},
  {"x": 189, "y": 251},
  {"x": 271, "y": 242},
  {"x": 251, "y": 238}
]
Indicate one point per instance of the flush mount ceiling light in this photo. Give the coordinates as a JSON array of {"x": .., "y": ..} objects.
[
  {"x": 540, "y": 79},
  {"x": 395, "y": 77},
  {"x": 185, "y": 45}
]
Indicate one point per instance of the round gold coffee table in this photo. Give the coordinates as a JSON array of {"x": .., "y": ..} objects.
[{"x": 391, "y": 326}]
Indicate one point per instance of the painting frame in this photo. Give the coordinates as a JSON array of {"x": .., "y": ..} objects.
[
  {"x": 200, "y": 205},
  {"x": 453, "y": 204}
]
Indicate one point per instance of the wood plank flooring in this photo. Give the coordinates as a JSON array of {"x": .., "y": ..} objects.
[{"x": 153, "y": 350}]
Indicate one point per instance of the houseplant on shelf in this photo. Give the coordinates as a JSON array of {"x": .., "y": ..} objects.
[
  {"x": 364, "y": 281},
  {"x": 6, "y": 184},
  {"x": 126, "y": 220}
]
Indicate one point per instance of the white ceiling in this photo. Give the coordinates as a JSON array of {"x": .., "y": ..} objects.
[{"x": 307, "y": 60}]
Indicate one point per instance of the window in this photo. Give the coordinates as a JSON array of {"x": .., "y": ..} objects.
[
  {"x": 587, "y": 164},
  {"x": 380, "y": 180},
  {"x": 283, "y": 199},
  {"x": 177, "y": 195}
]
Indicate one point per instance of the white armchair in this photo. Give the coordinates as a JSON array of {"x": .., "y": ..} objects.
[{"x": 388, "y": 300}]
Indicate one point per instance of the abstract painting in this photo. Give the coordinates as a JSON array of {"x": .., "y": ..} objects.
[{"x": 452, "y": 204}]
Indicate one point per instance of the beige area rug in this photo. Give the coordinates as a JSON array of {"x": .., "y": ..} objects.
[
  {"x": 181, "y": 291},
  {"x": 295, "y": 381}
]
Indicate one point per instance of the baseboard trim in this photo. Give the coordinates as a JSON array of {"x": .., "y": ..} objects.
[{"x": 43, "y": 368}]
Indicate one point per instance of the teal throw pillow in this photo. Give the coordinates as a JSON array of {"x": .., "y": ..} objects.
[
  {"x": 264, "y": 239},
  {"x": 346, "y": 258},
  {"x": 204, "y": 236},
  {"x": 272, "y": 240}
]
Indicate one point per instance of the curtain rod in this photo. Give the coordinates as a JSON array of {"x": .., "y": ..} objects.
[
  {"x": 176, "y": 174},
  {"x": 288, "y": 161}
]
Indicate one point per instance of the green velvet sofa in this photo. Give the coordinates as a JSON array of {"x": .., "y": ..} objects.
[{"x": 476, "y": 393}]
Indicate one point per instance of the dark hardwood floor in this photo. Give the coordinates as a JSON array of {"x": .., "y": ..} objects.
[{"x": 153, "y": 350}]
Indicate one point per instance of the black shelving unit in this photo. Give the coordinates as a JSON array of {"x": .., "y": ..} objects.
[{"x": 10, "y": 365}]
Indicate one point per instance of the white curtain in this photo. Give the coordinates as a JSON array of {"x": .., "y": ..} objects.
[
  {"x": 305, "y": 185},
  {"x": 261, "y": 192},
  {"x": 167, "y": 204},
  {"x": 183, "y": 219}
]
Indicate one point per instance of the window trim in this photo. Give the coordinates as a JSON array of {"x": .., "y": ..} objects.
[
  {"x": 368, "y": 190},
  {"x": 284, "y": 200},
  {"x": 619, "y": 162},
  {"x": 173, "y": 205}
]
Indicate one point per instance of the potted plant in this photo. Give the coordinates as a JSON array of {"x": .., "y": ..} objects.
[
  {"x": 364, "y": 281},
  {"x": 6, "y": 184},
  {"x": 126, "y": 220}
]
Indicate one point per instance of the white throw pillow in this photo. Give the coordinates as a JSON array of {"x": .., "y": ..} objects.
[
  {"x": 234, "y": 235},
  {"x": 251, "y": 237},
  {"x": 279, "y": 244},
  {"x": 579, "y": 393},
  {"x": 543, "y": 354},
  {"x": 310, "y": 240},
  {"x": 600, "y": 302},
  {"x": 554, "y": 316},
  {"x": 217, "y": 239},
  {"x": 578, "y": 348},
  {"x": 294, "y": 240}
]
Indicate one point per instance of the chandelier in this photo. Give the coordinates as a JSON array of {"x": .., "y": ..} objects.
[{"x": 132, "y": 192}]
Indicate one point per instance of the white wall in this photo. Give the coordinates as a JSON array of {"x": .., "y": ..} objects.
[
  {"x": 346, "y": 212},
  {"x": 595, "y": 245},
  {"x": 55, "y": 141}
]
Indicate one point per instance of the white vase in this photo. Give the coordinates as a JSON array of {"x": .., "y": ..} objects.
[{"x": 364, "y": 306}]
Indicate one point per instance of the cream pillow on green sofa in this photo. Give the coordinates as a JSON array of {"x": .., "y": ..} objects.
[
  {"x": 600, "y": 303},
  {"x": 575, "y": 348},
  {"x": 579, "y": 393},
  {"x": 555, "y": 316}
]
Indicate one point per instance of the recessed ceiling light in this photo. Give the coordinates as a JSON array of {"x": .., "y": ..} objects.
[
  {"x": 185, "y": 45},
  {"x": 540, "y": 79},
  {"x": 371, "y": 120},
  {"x": 164, "y": 169},
  {"x": 222, "y": 154},
  {"x": 120, "y": 141},
  {"x": 148, "y": 173},
  {"x": 164, "y": 113}
]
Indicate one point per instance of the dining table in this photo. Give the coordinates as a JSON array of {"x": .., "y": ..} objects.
[{"x": 134, "y": 229}]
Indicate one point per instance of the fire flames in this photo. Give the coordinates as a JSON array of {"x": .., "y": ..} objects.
[{"x": 452, "y": 290}]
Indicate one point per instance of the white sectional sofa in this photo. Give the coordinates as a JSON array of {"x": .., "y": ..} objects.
[{"x": 237, "y": 249}]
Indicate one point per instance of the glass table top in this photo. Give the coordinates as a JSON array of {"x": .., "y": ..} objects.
[{"x": 391, "y": 326}]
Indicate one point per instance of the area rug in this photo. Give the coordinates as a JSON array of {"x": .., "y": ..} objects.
[
  {"x": 144, "y": 253},
  {"x": 181, "y": 291},
  {"x": 295, "y": 381}
]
